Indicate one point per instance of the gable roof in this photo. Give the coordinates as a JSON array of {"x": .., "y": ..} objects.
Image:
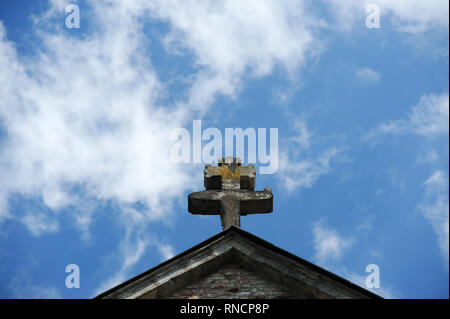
[{"x": 305, "y": 279}]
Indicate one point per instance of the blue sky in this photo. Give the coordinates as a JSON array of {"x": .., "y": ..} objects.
[{"x": 86, "y": 116}]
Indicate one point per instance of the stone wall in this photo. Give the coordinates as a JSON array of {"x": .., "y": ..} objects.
[{"x": 232, "y": 281}]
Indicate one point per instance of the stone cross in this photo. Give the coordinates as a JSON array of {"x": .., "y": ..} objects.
[{"x": 230, "y": 193}]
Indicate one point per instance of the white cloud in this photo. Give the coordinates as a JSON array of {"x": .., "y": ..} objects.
[
  {"x": 132, "y": 248},
  {"x": 329, "y": 248},
  {"x": 429, "y": 157},
  {"x": 89, "y": 117},
  {"x": 410, "y": 16},
  {"x": 303, "y": 173},
  {"x": 328, "y": 244},
  {"x": 22, "y": 287},
  {"x": 435, "y": 181},
  {"x": 299, "y": 167},
  {"x": 86, "y": 117},
  {"x": 234, "y": 39},
  {"x": 367, "y": 75},
  {"x": 84, "y": 216},
  {"x": 303, "y": 136},
  {"x": 134, "y": 245},
  {"x": 367, "y": 225},
  {"x": 85, "y": 113},
  {"x": 429, "y": 118},
  {"x": 166, "y": 251},
  {"x": 39, "y": 223},
  {"x": 384, "y": 291},
  {"x": 435, "y": 209}
]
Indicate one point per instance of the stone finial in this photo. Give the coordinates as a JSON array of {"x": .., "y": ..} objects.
[
  {"x": 230, "y": 174},
  {"x": 230, "y": 193}
]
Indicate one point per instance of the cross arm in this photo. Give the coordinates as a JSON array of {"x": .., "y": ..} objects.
[{"x": 209, "y": 202}]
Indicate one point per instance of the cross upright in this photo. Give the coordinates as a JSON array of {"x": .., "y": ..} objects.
[{"x": 230, "y": 193}]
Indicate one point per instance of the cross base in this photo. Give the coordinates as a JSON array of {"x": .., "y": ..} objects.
[
  {"x": 231, "y": 204},
  {"x": 230, "y": 212}
]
